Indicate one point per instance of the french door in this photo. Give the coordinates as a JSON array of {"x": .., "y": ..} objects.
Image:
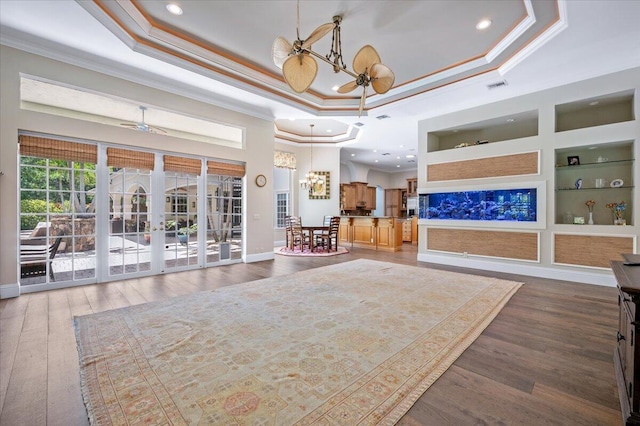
[{"x": 118, "y": 213}]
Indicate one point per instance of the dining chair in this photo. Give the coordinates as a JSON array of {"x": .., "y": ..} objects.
[
  {"x": 299, "y": 238},
  {"x": 316, "y": 234},
  {"x": 329, "y": 241},
  {"x": 288, "y": 231}
]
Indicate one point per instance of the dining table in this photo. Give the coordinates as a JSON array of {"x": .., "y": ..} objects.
[{"x": 314, "y": 230}]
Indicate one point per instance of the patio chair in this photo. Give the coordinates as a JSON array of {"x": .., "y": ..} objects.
[{"x": 34, "y": 258}]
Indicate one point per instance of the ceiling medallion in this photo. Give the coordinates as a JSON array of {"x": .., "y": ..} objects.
[{"x": 299, "y": 67}]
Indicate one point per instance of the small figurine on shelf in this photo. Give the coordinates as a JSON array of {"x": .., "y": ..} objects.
[
  {"x": 579, "y": 183},
  {"x": 590, "y": 204}
]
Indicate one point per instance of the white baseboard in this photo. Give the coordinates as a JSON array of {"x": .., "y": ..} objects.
[
  {"x": 259, "y": 257},
  {"x": 9, "y": 290},
  {"x": 604, "y": 278}
]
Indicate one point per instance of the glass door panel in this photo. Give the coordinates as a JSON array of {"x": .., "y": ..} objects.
[
  {"x": 181, "y": 246},
  {"x": 224, "y": 218},
  {"x": 57, "y": 220},
  {"x": 129, "y": 238}
]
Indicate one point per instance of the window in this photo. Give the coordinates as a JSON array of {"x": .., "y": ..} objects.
[
  {"x": 179, "y": 204},
  {"x": 282, "y": 208}
]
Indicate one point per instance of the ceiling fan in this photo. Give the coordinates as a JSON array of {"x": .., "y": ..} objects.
[
  {"x": 144, "y": 127},
  {"x": 299, "y": 68}
]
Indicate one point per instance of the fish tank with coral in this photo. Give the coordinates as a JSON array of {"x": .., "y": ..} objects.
[{"x": 517, "y": 205}]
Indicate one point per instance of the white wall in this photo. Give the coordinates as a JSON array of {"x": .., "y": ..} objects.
[
  {"x": 325, "y": 159},
  {"x": 258, "y": 154}
]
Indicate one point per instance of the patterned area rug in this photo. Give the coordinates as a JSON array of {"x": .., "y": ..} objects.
[
  {"x": 285, "y": 251},
  {"x": 354, "y": 343}
]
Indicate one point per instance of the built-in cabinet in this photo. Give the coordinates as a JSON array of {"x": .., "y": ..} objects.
[
  {"x": 580, "y": 155},
  {"x": 412, "y": 187},
  {"x": 378, "y": 233},
  {"x": 357, "y": 196},
  {"x": 370, "y": 198},
  {"x": 347, "y": 197},
  {"x": 392, "y": 202},
  {"x": 600, "y": 175}
]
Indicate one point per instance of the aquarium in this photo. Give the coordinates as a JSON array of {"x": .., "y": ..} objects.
[{"x": 518, "y": 205}]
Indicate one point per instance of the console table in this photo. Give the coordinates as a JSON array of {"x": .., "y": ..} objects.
[{"x": 626, "y": 356}]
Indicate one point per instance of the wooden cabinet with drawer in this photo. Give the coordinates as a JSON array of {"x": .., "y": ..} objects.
[
  {"x": 626, "y": 355},
  {"x": 406, "y": 230}
]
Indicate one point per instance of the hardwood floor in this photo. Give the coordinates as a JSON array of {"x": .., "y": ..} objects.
[{"x": 547, "y": 358}]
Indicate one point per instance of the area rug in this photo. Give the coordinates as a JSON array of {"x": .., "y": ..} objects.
[
  {"x": 346, "y": 344},
  {"x": 285, "y": 251}
]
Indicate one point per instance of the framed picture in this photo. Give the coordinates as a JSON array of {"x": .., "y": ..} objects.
[
  {"x": 573, "y": 160},
  {"x": 578, "y": 220},
  {"x": 320, "y": 191}
]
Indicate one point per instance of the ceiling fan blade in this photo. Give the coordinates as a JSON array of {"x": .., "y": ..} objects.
[
  {"x": 317, "y": 34},
  {"x": 156, "y": 130},
  {"x": 348, "y": 87},
  {"x": 382, "y": 78},
  {"x": 299, "y": 72},
  {"x": 362, "y": 98},
  {"x": 365, "y": 58},
  {"x": 280, "y": 51}
]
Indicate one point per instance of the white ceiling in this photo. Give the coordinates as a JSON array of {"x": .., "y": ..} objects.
[{"x": 219, "y": 51}]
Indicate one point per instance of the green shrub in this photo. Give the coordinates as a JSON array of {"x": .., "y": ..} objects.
[{"x": 35, "y": 206}]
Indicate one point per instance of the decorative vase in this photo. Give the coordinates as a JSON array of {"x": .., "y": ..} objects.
[
  {"x": 590, "y": 218},
  {"x": 619, "y": 221}
]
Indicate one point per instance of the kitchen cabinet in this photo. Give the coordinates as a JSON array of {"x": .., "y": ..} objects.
[
  {"x": 393, "y": 202},
  {"x": 412, "y": 187},
  {"x": 406, "y": 231},
  {"x": 371, "y": 198},
  {"x": 347, "y": 197},
  {"x": 357, "y": 196}
]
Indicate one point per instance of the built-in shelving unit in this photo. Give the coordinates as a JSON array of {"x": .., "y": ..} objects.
[
  {"x": 508, "y": 127},
  {"x": 575, "y": 144},
  {"x": 600, "y": 165},
  {"x": 595, "y": 111}
]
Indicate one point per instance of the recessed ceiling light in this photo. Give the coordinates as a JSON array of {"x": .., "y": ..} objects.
[
  {"x": 335, "y": 88},
  {"x": 483, "y": 24},
  {"x": 376, "y": 161},
  {"x": 375, "y": 150},
  {"x": 401, "y": 146},
  {"x": 398, "y": 157},
  {"x": 410, "y": 156},
  {"x": 594, "y": 103},
  {"x": 510, "y": 120},
  {"x": 593, "y": 147},
  {"x": 353, "y": 155},
  {"x": 397, "y": 165},
  {"x": 174, "y": 9},
  {"x": 328, "y": 130}
]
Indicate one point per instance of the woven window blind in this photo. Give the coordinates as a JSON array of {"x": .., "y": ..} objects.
[
  {"x": 55, "y": 149},
  {"x": 226, "y": 169},
  {"x": 117, "y": 157},
  {"x": 181, "y": 164}
]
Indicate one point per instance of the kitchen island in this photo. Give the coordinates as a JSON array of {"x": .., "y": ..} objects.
[{"x": 372, "y": 232}]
